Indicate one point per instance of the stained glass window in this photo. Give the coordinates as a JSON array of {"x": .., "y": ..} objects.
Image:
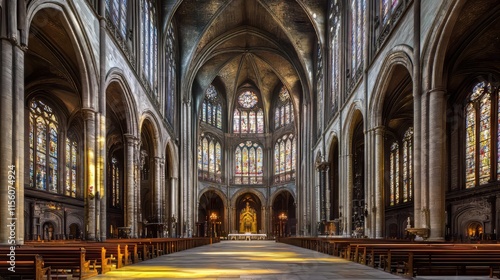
[
  {"x": 247, "y": 99},
  {"x": 171, "y": 76},
  {"x": 149, "y": 45},
  {"x": 115, "y": 182},
  {"x": 283, "y": 109},
  {"x": 334, "y": 19},
  {"x": 357, "y": 30},
  {"x": 284, "y": 158},
  {"x": 401, "y": 170},
  {"x": 71, "y": 162},
  {"x": 209, "y": 159},
  {"x": 43, "y": 147},
  {"x": 211, "y": 108},
  {"x": 319, "y": 90},
  {"x": 248, "y": 162},
  {"x": 248, "y": 117},
  {"x": 388, "y": 8},
  {"x": 116, "y": 12},
  {"x": 407, "y": 165},
  {"x": 394, "y": 173},
  {"x": 479, "y": 119}
]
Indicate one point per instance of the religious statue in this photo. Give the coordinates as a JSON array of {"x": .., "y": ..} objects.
[{"x": 248, "y": 220}]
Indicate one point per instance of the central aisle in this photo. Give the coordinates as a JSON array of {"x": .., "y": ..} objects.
[{"x": 247, "y": 260}]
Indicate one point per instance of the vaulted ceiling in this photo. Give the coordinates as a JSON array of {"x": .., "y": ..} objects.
[{"x": 264, "y": 43}]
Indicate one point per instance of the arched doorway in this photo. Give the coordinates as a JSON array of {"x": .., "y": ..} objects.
[
  {"x": 48, "y": 231},
  {"x": 74, "y": 231},
  {"x": 210, "y": 215},
  {"x": 248, "y": 214},
  {"x": 475, "y": 230},
  {"x": 358, "y": 192},
  {"x": 333, "y": 177},
  {"x": 284, "y": 221}
]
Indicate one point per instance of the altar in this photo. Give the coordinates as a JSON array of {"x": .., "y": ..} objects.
[{"x": 247, "y": 236}]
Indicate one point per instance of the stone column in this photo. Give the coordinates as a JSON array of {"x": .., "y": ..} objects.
[
  {"x": 422, "y": 221},
  {"x": 349, "y": 194},
  {"x": 12, "y": 127},
  {"x": 90, "y": 165},
  {"x": 156, "y": 196},
  {"x": 174, "y": 200},
  {"x": 379, "y": 182},
  {"x": 130, "y": 181},
  {"x": 102, "y": 178},
  {"x": 437, "y": 181},
  {"x": 187, "y": 183},
  {"x": 322, "y": 167}
]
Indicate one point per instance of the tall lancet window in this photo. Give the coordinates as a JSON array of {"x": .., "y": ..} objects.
[
  {"x": 149, "y": 46},
  {"x": 209, "y": 159},
  {"x": 480, "y": 119},
  {"x": 283, "y": 112},
  {"x": 319, "y": 90},
  {"x": 248, "y": 116},
  {"x": 116, "y": 13},
  {"x": 71, "y": 163},
  {"x": 170, "y": 83},
  {"x": 284, "y": 158},
  {"x": 394, "y": 171},
  {"x": 334, "y": 20},
  {"x": 43, "y": 138},
  {"x": 115, "y": 182},
  {"x": 248, "y": 159},
  {"x": 356, "y": 38},
  {"x": 211, "y": 111},
  {"x": 401, "y": 169},
  {"x": 407, "y": 163}
]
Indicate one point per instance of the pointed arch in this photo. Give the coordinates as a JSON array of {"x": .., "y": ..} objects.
[
  {"x": 116, "y": 75},
  {"x": 85, "y": 58},
  {"x": 399, "y": 55}
]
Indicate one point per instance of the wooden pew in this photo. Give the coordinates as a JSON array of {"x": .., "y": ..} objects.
[
  {"x": 103, "y": 262},
  {"x": 63, "y": 260},
  {"x": 26, "y": 266}
]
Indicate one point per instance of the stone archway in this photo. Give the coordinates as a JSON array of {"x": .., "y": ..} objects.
[{"x": 248, "y": 214}]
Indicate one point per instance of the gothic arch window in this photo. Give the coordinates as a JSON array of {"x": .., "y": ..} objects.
[
  {"x": 401, "y": 169},
  {"x": 319, "y": 89},
  {"x": 481, "y": 115},
  {"x": 211, "y": 112},
  {"x": 283, "y": 114},
  {"x": 149, "y": 45},
  {"x": 116, "y": 13},
  {"x": 171, "y": 76},
  {"x": 248, "y": 158},
  {"x": 71, "y": 164},
  {"x": 285, "y": 158},
  {"x": 209, "y": 159},
  {"x": 115, "y": 182},
  {"x": 394, "y": 171},
  {"x": 248, "y": 117},
  {"x": 43, "y": 138},
  {"x": 357, "y": 19},
  {"x": 334, "y": 19},
  {"x": 387, "y": 9}
]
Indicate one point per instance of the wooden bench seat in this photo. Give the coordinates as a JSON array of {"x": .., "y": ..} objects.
[
  {"x": 63, "y": 260},
  {"x": 25, "y": 266}
]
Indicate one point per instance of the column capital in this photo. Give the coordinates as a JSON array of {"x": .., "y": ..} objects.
[
  {"x": 380, "y": 130},
  {"x": 437, "y": 90},
  {"x": 131, "y": 139},
  {"x": 88, "y": 114},
  {"x": 322, "y": 166}
]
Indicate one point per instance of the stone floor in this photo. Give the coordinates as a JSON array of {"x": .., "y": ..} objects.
[{"x": 247, "y": 260}]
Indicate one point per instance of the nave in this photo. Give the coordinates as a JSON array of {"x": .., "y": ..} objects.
[{"x": 247, "y": 260}]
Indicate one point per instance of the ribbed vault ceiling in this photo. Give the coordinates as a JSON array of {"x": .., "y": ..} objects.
[{"x": 258, "y": 42}]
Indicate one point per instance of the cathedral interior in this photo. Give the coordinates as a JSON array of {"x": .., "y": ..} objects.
[{"x": 182, "y": 118}]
